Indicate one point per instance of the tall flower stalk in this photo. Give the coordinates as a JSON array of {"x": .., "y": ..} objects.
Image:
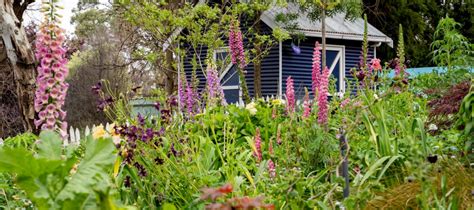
[
  {"x": 258, "y": 145},
  {"x": 365, "y": 45},
  {"x": 306, "y": 104},
  {"x": 214, "y": 89},
  {"x": 236, "y": 46},
  {"x": 316, "y": 70},
  {"x": 182, "y": 86},
  {"x": 323, "y": 97},
  {"x": 51, "y": 91},
  {"x": 400, "y": 67},
  {"x": 290, "y": 96},
  {"x": 189, "y": 99}
]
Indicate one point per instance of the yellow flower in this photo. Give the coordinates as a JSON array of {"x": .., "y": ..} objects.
[
  {"x": 98, "y": 132},
  {"x": 277, "y": 102},
  {"x": 251, "y": 108}
]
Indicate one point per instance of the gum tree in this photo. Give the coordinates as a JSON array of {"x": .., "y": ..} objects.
[{"x": 17, "y": 72}]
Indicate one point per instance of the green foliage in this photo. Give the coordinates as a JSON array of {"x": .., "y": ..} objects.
[
  {"x": 351, "y": 8},
  {"x": 49, "y": 177},
  {"x": 419, "y": 19},
  {"x": 24, "y": 140},
  {"x": 451, "y": 48},
  {"x": 466, "y": 116},
  {"x": 401, "y": 47}
]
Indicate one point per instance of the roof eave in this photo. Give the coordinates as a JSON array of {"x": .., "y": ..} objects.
[
  {"x": 353, "y": 37},
  {"x": 271, "y": 23}
]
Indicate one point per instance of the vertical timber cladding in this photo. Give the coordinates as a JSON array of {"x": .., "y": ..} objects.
[
  {"x": 269, "y": 68},
  {"x": 17, "y": 74},
  {"x": 299, "y": 66}
]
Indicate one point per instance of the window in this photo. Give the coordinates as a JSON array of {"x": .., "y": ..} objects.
[{"x": 223, "y": 60}]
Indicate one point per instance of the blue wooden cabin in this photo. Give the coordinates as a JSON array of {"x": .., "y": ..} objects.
[{"x": 344, "y": 42}]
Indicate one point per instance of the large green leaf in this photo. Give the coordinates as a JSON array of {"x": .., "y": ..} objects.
[
  {"x": 50, "y": 146},
  {"x": 21, "y": 162},
  {"x": 92, "y": 170}
]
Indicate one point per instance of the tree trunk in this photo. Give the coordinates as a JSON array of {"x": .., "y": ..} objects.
[
  {"x": 17, "y": 71},
  {"x": 257, "y": 73},
  {"x": 323, "y": 35},
  {"x": 170, "y": 73}
]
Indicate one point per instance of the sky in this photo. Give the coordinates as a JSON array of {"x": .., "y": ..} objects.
[{"x": 33, "y": 14}]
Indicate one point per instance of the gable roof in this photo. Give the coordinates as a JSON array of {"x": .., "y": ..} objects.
[{"x": 337, "y": 27}]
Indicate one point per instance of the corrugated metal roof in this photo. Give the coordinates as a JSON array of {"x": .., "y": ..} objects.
[{"x": 337, "y": 26}]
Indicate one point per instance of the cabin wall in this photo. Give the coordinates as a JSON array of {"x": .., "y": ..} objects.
[
  {"x": 269, "y": 65},
  {"x": 299, "y": 66}
]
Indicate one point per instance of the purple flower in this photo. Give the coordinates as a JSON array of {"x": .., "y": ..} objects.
[
  {"x": 157, "y": 106},
  {"x": 182, "y": 85},
  {"x": 97, "y": 88},
  {"x": 214, "y": 89},
  {"x": 295, "y": 48},
  {"x": 236, "y": 45},
  {"x": 173, "y": 150},
  {"x": 140, "y": 119}
]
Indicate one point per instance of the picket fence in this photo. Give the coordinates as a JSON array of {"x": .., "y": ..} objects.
[{"x": 75, "y": 135}]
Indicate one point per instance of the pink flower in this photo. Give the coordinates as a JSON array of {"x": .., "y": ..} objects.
[
  {"x": 54, "y": 45},
  {"x": 50, "y": 82},
  {"x": 278, "y": 137},
  {"x": 306, "y": 105},
  {"x": 236, "y": 45},
  {"x": 54, "y": 92},
  {"x": 323, "y": 97},
  {"x": 290, "y": 95},
  {"x": 375, "y": 64},
  {"x": 316, "y": 72},
  {"x": 50, "y": 108},
  {"x": 345, "y": 102},
  {"x": 182, "y": 84},
  {"x": 52, "y": 71},
  {"x": 271, "y": 168},
  {"x": 59, "y": 76},
  {"x": 274, "y": 113},
  {"x": 258, "y": 145}
]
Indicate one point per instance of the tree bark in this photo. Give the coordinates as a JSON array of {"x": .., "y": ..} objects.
[
  {"x": 170, "y": 73},
  {"x": 323, "y": 34},
  {"x": 17, "y": 71},
  {"x": 257, "y": 73}
]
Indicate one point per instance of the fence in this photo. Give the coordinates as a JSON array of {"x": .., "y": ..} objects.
[{"x": 75, "y": 135}]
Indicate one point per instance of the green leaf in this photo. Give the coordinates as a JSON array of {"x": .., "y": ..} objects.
[
  {"x": 168, "y": 206},
  {"x": 92, "y": 170},
  {"x": 50, "y": 146},
  {"x": 373, "y": 168}
]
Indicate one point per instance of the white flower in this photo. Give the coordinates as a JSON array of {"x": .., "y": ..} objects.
[
  {"x": 432, "y": 127},
  {"x": 251, "y": 108},
  {"x": 376, "y": 96}
]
